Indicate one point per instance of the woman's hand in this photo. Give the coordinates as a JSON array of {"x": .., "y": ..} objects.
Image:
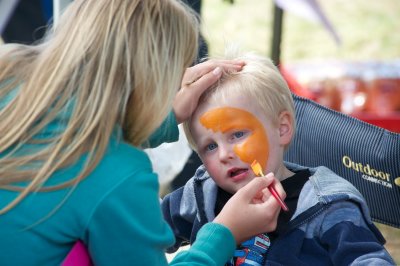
[
  {"x": 252, "y": 210},
  {"x": 196, "y": 80}
]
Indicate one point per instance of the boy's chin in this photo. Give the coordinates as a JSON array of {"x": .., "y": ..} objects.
[{"x": 237, "y": 186}]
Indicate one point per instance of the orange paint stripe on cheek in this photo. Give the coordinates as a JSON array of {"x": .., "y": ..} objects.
[{"x": 256, "y": 146}]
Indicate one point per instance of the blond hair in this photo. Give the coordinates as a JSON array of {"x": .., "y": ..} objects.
[
  {"x": 259, "y": 79},
  {"x": 107, "y": 63}
]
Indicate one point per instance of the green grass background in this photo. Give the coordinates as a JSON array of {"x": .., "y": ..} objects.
[{"x": 369, "y": 30}]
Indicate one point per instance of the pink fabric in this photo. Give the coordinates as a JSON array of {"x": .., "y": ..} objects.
[{"x": 78, "y": 256}]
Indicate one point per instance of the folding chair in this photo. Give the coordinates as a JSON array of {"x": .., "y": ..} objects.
[{"x": 366, "y": 155}]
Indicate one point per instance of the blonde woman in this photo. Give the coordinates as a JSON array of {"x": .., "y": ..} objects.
[{"x": 75, "y": 111}]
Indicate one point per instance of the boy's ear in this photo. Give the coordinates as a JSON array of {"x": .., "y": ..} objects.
[{"x": 285, "y": 127}]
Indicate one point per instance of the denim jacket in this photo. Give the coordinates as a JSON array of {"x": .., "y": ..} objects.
[{"x": 331, "y": 224}]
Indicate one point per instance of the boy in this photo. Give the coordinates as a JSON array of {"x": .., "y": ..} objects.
[{"x": 249, "y": 116}]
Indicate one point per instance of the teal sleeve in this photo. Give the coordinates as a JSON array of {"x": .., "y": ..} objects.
[
  {"x": 127, "y": 227},
  {"x": 214, "y": 245},
  {"x": 167, "y": 132}
]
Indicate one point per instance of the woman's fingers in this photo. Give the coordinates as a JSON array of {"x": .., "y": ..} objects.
[
  {"x": 245, "y": 215},
  {"x": 276, "y": 185},
  {"x": 198, "y": 71},
  {"x": 257, "y": 186},
  {"x": 205, "y": 81}
]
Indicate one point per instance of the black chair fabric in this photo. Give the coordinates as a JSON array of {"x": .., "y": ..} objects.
[{"x": 366, "y": 155}]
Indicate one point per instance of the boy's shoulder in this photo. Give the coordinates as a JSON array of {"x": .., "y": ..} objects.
[
  {"x": 325, "y": 186},
  {"x": 325, "y": 181}
]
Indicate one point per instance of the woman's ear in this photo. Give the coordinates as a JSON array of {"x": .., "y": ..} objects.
[{"x": 285, "y": 128}]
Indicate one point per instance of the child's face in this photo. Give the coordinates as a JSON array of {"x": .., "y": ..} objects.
[{"x": 230, "y": 137}]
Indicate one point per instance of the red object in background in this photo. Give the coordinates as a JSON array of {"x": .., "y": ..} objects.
[
  {"x": 382, "y": 106},
  {"x": 390, "y": 121},
  {"x": 294, "y": 85},
  {"x": 384, "y": 95}
]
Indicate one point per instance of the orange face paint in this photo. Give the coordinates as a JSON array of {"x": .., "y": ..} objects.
[{"x": 255, "y": 147}]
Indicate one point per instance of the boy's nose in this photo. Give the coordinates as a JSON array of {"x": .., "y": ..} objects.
[{"x": 226, "y": 153}]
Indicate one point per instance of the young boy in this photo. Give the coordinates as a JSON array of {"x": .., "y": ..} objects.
[{"x": 249, "y": 116}]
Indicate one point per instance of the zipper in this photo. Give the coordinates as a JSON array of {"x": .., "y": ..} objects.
[{"x": 200, "y": 202}]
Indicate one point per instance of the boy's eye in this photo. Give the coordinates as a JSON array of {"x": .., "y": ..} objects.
[
  {"x": 238, "y": 134},
  {"x": 211, "y": 146}
]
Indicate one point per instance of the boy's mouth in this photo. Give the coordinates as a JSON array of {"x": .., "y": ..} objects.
[{"x": 238, "y": 173}]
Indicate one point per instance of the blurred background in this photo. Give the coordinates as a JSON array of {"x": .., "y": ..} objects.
[
  {"x": 343, "y": 54},
  {"x": 343, "y": 67},
  {"x": 368, "y": 30}
]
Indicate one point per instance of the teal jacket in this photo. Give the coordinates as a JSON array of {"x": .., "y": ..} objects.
[{"x": 114, "y": 211}]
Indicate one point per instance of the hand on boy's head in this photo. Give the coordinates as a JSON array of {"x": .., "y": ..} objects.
[
  {"x": 252, "y": 210},
  {"x": 198, "y": 79}
]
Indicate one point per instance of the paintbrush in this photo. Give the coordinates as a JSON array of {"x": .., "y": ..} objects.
[{"x": 256, "y": 167}]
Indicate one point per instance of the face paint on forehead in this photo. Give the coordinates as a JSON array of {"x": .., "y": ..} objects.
[{"x": 255, "y": 147}]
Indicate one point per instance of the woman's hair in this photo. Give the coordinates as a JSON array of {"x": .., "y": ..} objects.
[
  {"x": 106, "y": 63},
  {"x": 259, "y": 80}
]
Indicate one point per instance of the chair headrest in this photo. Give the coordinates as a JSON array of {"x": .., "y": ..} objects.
[{"x": 365, "y": 155}]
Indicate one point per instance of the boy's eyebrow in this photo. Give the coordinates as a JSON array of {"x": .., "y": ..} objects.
[{"x": 201, "y": 140}]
